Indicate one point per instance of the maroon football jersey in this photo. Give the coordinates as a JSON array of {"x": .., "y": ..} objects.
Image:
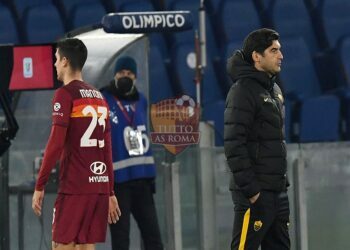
[{"x": 85, "y": 167}]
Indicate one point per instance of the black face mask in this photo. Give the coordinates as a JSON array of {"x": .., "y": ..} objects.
[{"x": 124, "y": 85}]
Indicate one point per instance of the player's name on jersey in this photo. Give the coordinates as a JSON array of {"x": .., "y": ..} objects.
[{"x": 90, "y": 93}]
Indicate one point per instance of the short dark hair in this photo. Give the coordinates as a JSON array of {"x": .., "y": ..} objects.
[
  {"x": 258, "y": 40},
  {"x": 74, "y": 50}
]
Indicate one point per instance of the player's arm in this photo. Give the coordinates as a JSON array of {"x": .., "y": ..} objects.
[
  {"x": 61, "y": 109},
  {"x": 240, "y": 112},
  {"x": 114, "y": 210},
  {"x": 52, "y": 153},
  {"x": 109, "y": 161}
]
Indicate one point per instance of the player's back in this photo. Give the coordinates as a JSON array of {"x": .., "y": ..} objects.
[{"x": 83, "y": 165}]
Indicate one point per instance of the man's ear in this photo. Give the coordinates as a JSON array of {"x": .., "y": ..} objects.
[
  {"x": 64, "y": 61},
  {"x": 256, "y": 56}
]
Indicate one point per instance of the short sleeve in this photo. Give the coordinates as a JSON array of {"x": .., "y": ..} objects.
[{"x": 61, "y": 107}]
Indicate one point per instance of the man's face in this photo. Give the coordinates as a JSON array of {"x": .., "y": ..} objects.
[
  {"x": 125, "y": 73},
  {"x": 270, "y": 61},
  {"x": 59, "y": 64}
]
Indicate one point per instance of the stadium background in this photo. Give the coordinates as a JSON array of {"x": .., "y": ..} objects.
[{"x": 315, "y": 80}]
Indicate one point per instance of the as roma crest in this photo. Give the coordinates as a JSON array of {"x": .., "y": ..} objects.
[{"x": 175, "y": 123}]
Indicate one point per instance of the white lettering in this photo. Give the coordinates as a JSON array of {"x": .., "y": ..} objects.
[
  {"x": 175, "y": 129},
  {"x": 148, "y": 21},
  {"x": 135, "y": 23},
  {"x": 183, "y": 139},
  {"x": 164, "y": 22},
  {"x": 97, "y": 179},
  {"x": 179, "y": 20},
  {"x": 141, "y": 21},
  {"x": 170, "y": 23},
  {"x": 90, "y": 93},
  {"x": 153, "y": 21},
  {"x": 55, "y": 113},
  {"x": 127, "y": 22},
  {"x": 159, "y": 139},
  {"x": 188, "y": 129},
  {"x": 158, "y": 20}
]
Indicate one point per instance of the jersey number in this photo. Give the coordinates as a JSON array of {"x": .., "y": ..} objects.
[{"x": 86, "y": 140}]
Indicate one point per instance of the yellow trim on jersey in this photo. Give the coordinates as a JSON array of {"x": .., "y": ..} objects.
[
  {"x": 77, "y": 111},
  {"x": 244, "y": 230}
]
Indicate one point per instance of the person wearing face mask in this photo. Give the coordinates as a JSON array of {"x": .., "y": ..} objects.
[{"x": 133, "y": 163}]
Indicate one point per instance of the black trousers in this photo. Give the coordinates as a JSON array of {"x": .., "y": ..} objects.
[
  {"x": 264, "y": 223},
  {"x": 136, "y": 198}
]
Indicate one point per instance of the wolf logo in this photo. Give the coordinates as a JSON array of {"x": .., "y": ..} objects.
[{"x": 257, "y": 225}]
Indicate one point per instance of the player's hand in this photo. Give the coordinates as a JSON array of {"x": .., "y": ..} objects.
[
  {"x": 114, "y": 211},
  {"x": 37, "y": 201},
  {"x": 254, "y": 198}
]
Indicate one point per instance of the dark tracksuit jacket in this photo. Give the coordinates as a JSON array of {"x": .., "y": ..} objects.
[
  {"x": 254, "y": 139},
  {"x": 254, "y": 144}
]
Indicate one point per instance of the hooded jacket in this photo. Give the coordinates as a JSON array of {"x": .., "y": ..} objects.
[{"x": 254, "y": 130}]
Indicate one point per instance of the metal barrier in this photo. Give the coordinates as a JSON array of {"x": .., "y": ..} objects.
[{"x": 319, "y": 199}]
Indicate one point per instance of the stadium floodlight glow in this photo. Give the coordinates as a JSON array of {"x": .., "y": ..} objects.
[{"x": 146, "y": 22}]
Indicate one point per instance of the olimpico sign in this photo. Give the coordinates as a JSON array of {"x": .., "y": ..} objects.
[
  {"x": 153, "y": 21},
  {"x": 145, "y": 22}
]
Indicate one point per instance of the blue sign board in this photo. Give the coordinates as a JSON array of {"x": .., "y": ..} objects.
[{"x": 146, "y": 22}]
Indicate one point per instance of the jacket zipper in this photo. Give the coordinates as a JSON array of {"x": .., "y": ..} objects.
[{"x": 279, "y": 114}]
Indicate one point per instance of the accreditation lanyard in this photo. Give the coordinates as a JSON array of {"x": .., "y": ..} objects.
[{"x": 130, "y": 119}]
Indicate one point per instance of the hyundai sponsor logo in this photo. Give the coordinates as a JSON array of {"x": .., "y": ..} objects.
[
  {"x": 98, "y": 179},
  {"x": 98, "y": 167}
]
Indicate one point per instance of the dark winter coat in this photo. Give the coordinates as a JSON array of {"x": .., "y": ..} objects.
[{"x": 254, "y": 130}]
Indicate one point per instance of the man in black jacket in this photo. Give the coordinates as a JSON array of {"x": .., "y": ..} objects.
[{"x": 255, "y": 145}]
